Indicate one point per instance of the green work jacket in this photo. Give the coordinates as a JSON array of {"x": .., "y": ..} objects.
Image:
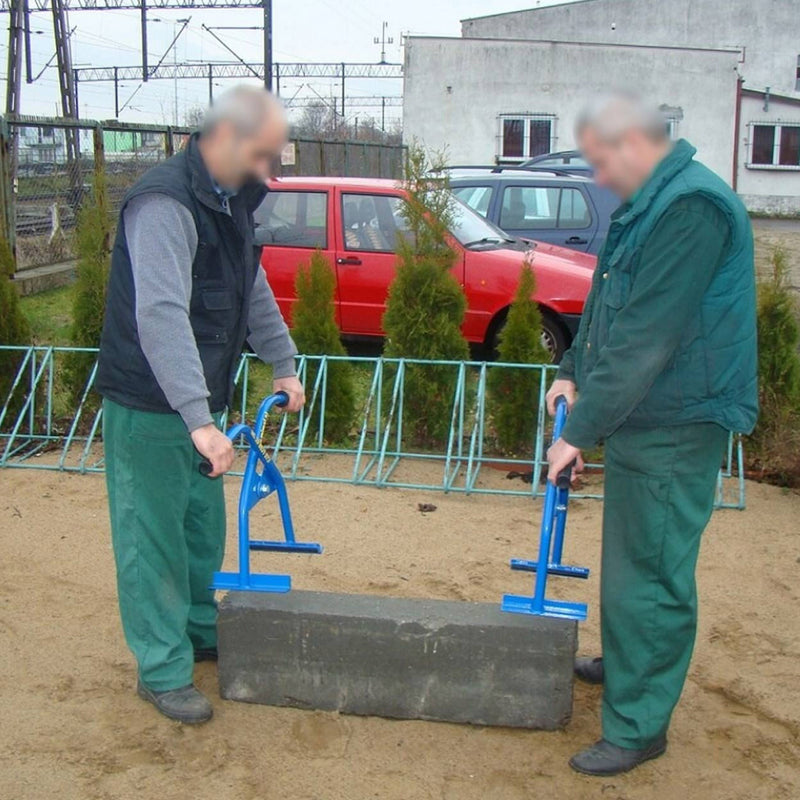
[{"x": 668, "y": 334}]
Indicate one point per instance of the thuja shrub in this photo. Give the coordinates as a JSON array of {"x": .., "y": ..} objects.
[
  {"x": 14, "y": 328},
  {"x": 426, "y": 305},
  {"x": 514, "y": 393},
  {"x": 775, "y": 443},
  {"x": 316, "y": 333},
  {"x": 93, "y": 248}
]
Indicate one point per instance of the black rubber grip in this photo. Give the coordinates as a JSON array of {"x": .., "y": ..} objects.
[
  {"x": 564, "y": 478},
  {"x": 206, "y": 467}
]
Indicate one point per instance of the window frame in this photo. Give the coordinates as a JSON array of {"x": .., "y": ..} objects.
[
  {"x": 586, "y": 202},
  {"x": 776, "y": 146},
  {"x": 360, "y": 193},
  {"x": 560, "y": 188},
  {"x": 526, "y": 118},
  {"x": 291, "y": 245},
  {"x": 486, "y": 186}
]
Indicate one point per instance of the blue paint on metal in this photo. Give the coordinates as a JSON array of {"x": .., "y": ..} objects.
[
  {"x": 261, "y": 478},
  {"x": 551, "y": 543}
]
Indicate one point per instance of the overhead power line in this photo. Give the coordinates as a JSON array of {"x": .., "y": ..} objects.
[
  {"x": 242, "y": 69},
  {"x": 221, "y": 70},
  {"x": 365, "y": 101},
  {"x": 133, "y": 5}
]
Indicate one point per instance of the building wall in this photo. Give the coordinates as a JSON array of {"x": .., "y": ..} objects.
[
  {"x": 767, "y": 191},
  {"x": 768, "y": 30},
  {"x": 455, "y": 89}
]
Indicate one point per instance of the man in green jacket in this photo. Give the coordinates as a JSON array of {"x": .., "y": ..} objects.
[{"x": 663, "y": 367}]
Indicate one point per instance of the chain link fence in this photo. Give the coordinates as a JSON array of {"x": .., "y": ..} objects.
[
  {"x": 47, "y": 189},
  {"x": 47, "y": 166}
]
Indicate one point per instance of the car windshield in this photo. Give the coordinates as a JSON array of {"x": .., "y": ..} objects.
[{"x": 471, "y": 228}]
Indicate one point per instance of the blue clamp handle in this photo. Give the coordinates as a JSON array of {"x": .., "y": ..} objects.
[
  {"x": 564, "y": 477},
  {"x": 279, "y": 399}
]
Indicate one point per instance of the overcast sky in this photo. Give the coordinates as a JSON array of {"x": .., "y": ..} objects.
[{"x": 303, "y": 30}]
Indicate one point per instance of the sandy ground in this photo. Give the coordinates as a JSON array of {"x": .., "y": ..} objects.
[{"x": 72, "y": 727}]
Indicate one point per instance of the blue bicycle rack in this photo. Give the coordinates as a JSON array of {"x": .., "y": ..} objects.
[
  {"x": 551, "y": 544},
  {"x": 261, "y": 479}
]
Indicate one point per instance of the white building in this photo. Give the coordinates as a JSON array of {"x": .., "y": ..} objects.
[{"x": 726, "y": 74}]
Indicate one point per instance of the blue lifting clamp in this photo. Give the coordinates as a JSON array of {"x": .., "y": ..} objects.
[
  {"x": 551, "y": 536},
  {"x": 261, "y": 478}
]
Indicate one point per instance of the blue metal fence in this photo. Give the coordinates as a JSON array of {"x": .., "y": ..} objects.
[{"x": 41, "y": 429}]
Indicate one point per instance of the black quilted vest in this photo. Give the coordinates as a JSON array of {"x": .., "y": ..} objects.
[{"x": 223, "y": 274}]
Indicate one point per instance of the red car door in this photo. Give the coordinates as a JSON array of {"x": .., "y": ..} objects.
[
  {"x": 291, "y": 224},
  {"x": 365, "y": 257}
]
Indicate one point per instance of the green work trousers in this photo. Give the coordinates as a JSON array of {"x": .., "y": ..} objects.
[
  {"x": 659, "y": 493},
  {"x": 168, "y": 534}
]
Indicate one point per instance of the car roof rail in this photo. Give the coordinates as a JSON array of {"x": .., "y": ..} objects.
[{"x": 499, "y": 168}]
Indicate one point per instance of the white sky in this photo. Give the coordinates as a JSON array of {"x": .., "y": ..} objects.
[{"x": 303, "y": 30}]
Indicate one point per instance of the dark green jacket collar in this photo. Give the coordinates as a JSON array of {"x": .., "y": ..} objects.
[{"x": 674, "y": 162}]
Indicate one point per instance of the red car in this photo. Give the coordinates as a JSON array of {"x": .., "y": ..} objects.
[{"x": 355, "y": 223}]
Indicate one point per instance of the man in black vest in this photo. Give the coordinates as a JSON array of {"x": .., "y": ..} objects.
[{"x": 185, "y": 291}]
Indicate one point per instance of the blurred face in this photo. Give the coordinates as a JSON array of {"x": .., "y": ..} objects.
[
  {"x": 237, "y": 158},
  {"x": 624, "y": 163}
]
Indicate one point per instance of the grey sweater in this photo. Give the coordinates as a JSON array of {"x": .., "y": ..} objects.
[{"x": 162, "y": 241}]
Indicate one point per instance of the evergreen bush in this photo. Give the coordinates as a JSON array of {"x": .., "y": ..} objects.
[
  {"x": 776, "y": 439},
  {"x": 426, "y": 305},
  {"x": 316, "y": 333},
  {"x": 14, "y": 328},
  {"x": 93, "y": 248},
  {"x": 514, "y": 393}
]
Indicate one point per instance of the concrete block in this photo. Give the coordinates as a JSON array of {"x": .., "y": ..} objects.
[{"x": 398, "y": 658}]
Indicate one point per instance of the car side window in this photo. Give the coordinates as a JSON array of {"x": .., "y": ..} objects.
[
  {"x": 475, "y": 197},
  {"x": 529, "y": 208},
  {"x": 372, "y": 222},
  {"x": 573, "y": 211},
  {"x": 292, "y": 219}
]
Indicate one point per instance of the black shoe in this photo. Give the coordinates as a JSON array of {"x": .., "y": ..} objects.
[
  {"x": 604, "y": 758},
  {"x": 589, "y": 670},
  {"x": 205, "y": 654},
  {"x": 184, "y": 705}
]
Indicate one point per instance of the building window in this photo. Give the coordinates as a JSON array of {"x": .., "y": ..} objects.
[
  {"x": 513, "y": 138},
  {"x": 763, "y": 144},
  {"x": 540, "y": 133},
  {"x": 523, "y": 136},
  {"x": 789, "y": 153},
  {"x": 774, "y": 146}
]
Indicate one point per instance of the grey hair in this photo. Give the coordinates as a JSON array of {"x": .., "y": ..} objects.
[
  {"x": 613, "y": 113},
  {"x": 244, "y": 107}
]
